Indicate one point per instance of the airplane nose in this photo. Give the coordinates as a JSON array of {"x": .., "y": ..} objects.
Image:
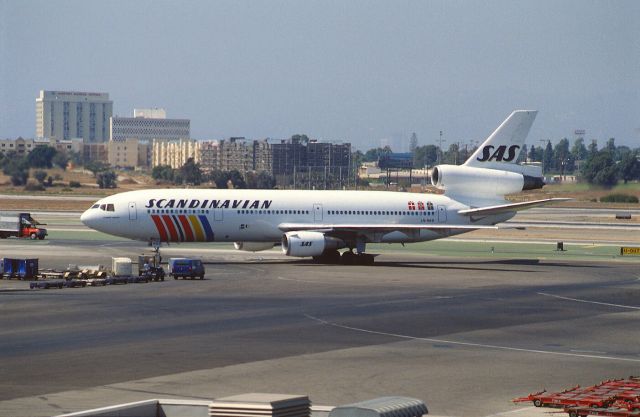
[{"x": 86, "y": 218}]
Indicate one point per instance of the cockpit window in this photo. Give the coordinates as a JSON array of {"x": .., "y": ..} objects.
[
  {"x": 103, "y": 207},
  {"x": 95, "y": 206},
  {"x": 110, "y": 207}
]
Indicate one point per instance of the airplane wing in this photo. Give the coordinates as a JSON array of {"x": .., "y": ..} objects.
[
  {"x": 510, "y": 207},
  {"x": 355, "y": 227}
]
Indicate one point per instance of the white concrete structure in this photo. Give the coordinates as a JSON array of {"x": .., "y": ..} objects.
[
  {"x": 73, "y": 114},
  {"x": 175, "y": 153}
]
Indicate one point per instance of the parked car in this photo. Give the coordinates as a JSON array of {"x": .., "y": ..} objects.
[{"x": 186, "y": 268}]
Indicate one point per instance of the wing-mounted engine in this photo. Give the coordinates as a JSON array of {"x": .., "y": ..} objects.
[
  {"x": 253, "y": 246},
  {"x": 471, "y": 181},
  {"x": 308, "y": 243}
]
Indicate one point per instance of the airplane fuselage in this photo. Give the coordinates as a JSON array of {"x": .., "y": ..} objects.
[{"x": 214, "y": 215}]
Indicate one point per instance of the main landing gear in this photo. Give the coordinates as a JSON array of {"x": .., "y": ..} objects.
[{"x": 346, "y": 258}]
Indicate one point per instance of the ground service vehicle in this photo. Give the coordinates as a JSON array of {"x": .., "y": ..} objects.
[
  {"x": 185, "y": 267},
  {"x": 20, "y": 225}
]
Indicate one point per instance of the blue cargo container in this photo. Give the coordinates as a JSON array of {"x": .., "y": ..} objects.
[
  {"x": 9, "y": 267},
  {"x": 27, "y": 268}
]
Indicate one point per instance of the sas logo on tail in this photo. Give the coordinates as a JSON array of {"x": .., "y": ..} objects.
[{"x": 488, "y": 154}]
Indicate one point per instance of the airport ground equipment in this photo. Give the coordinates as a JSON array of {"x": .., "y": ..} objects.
[
  {"x": 186, "y": 268},
  {"x": 121, "y": 266},
  {"x": 75, "y": 283},
  {"x": 114, "y": 280},
  {"x": 613, "y": 411},
  {"x": 28, "y": 268},
  {"x": 615, "y": 395},
  {"x": 46, "y": 284},
  {"x": 382, "y": 407},
  {"x": 20, "y": 268},
  {"x": 9, "y": 268},
  {"x": 20, "y": 225}
]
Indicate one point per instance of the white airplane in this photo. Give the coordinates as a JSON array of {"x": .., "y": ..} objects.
[{"x": 319, "y": 223}]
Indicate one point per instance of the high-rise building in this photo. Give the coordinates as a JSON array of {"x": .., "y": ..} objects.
[
  {"x": 149, "y": 124},
  {"x": 73, "y": 114},
  {"x": 288, "y": 155}
]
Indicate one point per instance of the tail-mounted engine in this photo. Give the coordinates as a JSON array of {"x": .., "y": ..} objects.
[{"x": 457, "y": 179}]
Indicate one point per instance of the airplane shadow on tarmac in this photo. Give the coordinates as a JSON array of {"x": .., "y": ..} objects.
[{"x": 457, "y": 265}]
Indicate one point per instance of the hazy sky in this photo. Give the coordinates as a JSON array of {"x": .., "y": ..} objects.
[{"x": 361, "y": 71}]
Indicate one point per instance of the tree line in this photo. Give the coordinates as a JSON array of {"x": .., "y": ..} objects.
[
  {"x": 18, "y": 167},
  {"x": 603, "y": 166}
]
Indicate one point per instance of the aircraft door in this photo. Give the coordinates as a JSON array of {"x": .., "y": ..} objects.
[
  {"x": 317, "y": 212},
  {"x": 217, "y": 215},
  {"x": 133, "y": 213},
  {"x": 442, "y": 214}
]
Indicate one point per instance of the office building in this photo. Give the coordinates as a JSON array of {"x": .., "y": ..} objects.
[
  {"x": 73, "y": 114},
  {"x": 149, "y": 124}
]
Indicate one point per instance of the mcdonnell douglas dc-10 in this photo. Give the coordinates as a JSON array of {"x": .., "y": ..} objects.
[{"x": 319, "y": 223}]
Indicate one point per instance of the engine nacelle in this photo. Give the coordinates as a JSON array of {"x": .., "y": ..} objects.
[
  {"x": 253, "y": 246},
  {"x": 459, "y": 179},
  {"x": 308, "y": 243}
]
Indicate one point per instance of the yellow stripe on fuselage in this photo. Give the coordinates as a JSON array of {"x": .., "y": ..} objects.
[{"x": 197, "y": 227}]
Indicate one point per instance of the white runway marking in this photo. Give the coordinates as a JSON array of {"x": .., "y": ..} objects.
[
  {"x": 578, "y": 300},
  {"x": 469, "y": 344}
]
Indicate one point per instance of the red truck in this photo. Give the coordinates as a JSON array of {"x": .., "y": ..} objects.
[{"x": 20, "y": 225}]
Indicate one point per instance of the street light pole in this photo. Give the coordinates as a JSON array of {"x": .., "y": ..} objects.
[{"x": 440, "y": 148}]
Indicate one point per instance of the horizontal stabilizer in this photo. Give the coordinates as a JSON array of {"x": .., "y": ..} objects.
[{"x": 510, "y": 207}]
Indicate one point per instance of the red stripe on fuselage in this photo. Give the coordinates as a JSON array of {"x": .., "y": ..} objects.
[
  {"x": 187, "y": 228},
  {"x": 161, "y": 230},
  {"x": 171, "y": 227}
]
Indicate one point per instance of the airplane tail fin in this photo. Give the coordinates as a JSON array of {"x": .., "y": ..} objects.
[{"x": 501, "y": 149}]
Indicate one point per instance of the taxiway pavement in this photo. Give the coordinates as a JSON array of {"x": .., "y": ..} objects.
[{"x": 465, "y": 335}]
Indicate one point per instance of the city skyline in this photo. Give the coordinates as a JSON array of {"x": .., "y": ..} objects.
[{"x": 359, "y": 72}]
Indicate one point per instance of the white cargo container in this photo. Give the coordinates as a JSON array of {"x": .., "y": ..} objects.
[{"x": 121, "y": 266}]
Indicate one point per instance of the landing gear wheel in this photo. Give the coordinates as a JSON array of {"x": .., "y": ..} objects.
[
  {"x": 348, "y": 258},
  {"x": 365, "y": 259},
  {"x": 329, "y": 257}
]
